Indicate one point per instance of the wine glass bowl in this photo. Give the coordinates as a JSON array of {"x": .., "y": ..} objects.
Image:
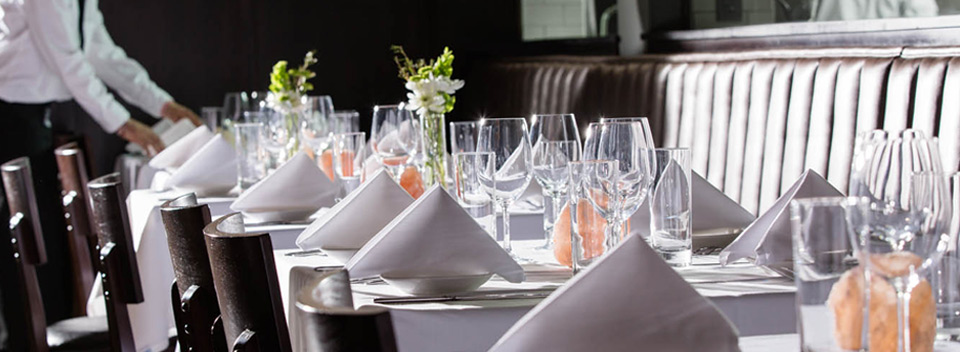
[
  {"x": 393, "y": 137},
  {"x": 507, "y": 139}
]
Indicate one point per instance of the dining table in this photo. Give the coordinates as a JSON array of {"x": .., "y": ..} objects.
[{"x": 756, "y": 301}]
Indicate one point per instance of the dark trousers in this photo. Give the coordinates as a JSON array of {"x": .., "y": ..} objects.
[{"x": 25, "y": 131}]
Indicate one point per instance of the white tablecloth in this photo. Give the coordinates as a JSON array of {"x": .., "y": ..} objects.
[{"x": 756, "y": 306}]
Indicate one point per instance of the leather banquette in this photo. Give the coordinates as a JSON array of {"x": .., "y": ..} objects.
[{"x": 755, "y": 120}]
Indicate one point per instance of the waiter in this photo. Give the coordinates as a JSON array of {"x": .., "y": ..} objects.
[{"x": 51, "y": 51}]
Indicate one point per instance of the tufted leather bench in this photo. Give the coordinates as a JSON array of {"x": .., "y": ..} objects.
[{"x": 755, "y": 120}]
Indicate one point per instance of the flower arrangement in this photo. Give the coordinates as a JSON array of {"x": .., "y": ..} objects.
[
  {"x": 289, "y": 86},
  {"x": 431, "y": 96},
  {"x": 288, "y": 90}
]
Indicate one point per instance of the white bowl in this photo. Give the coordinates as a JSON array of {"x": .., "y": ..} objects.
[{"x": 435, "y": 283}]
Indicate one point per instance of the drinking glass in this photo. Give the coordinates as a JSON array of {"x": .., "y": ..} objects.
[
  {"x": 345, "y": 121},
  {"x": 463, "y": 136},
  {"x": 257, "y": 101},
  {"x": 249, "y": 167},
  {"x": 823, "y": 250},
  {"x": 900, "y": 176},
  {"x": 393, "y": 137},
  {"x": 315, "y": 127},
  {"x": 233, "y": 108},
  {"x": 556, "y": 142},
  {"x": 348, "y": 163},
  {"x": 212, "y": 117},
  {"x": 591, "y": 139},
  {"x": 671, "y": 231},
  {"x": 274, "y": 136},
  {"x": 507, "y": 139},
  {"x": 947, "y": 276},
  {"x": 625, "y": 142},
  {"x": 590, "y": 196},
  {"x": 469, "y": 166}
]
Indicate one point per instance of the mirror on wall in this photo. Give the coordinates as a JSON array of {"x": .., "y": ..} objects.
[
  {"x": 568, "y": 19},
  {"x": 730, "y": 13}
]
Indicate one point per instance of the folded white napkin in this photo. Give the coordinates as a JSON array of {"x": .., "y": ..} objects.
[
  {"x": 628, "y": 301},
  {"x": 295, "y": 190},
  {"x": 434, "y": 234},
  {"x": 168, "y": 132},
  {"x": 211, "y": 170},
  {"x": 358, "y": 217},
  {"x": 768, "y": 241},
  {"x": 177, "y": 153},
  {"x": 711, "y": 209}
]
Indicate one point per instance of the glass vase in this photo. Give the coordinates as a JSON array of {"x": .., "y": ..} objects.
[{"x": 434, "y": 148}]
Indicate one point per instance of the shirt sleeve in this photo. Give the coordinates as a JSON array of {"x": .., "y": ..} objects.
[
  {"x": 53, "y": 28},
  {"x": 116, "y": 69}
]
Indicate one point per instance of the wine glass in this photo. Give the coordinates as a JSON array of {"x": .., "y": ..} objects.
[
  {"x": 592, "y": 137},
  {"x": 593, "y": 181},
  {"x": 507, "y": 139},
  {"x": 647, "y": 136},
  {"x": 274, "y": 135},
  {"x": 315, "y": 127},
  {"x": 257, "y": 101},
  {"x": 345, "y": 121},
  {"x": 900, "y": 213},
  {"x": 625, "y": 143},
  {"x": 348, "y": 160},
  {"x": 555, "y": 140},
  {"x": 393, "y": 137},
  {"x": 463, "y": 136}
]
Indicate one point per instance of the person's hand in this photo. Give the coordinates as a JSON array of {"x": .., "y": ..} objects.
[
  {"x": 137, "y": 133},
  {"x": 174, "y": 111}
]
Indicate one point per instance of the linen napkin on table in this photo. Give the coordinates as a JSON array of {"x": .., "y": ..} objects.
[
  {"x": 434, "y": 233},
  {"x": 631, "y": 300},
  {"x": 711, "y": 209},
  {"x": 297, "y": 186},
  {"x": 359, "y": 216},
  {"x": 768, "y": 240},
  {"x": 211, "y": 170},
  {"x": 177, "y": 153}
]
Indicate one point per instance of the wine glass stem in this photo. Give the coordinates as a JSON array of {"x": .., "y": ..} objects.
[
  {"x": 397, "y": 172},
  {"x": 505, "y": 206},
  {"x": 903, "y": 318},
  {"x": 555, "y": 204}
]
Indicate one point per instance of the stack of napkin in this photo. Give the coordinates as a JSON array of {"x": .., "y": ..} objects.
[
  {"x": 768, "y": 240},
  {"x": 212, "y": 170},
  {"x": 358, "y": 217},
  {"x": 297, "y": 189},
  {"x": 712, "y": 210},
  {"x": 628, "y": 301},
  {"x": 434, "y": 234},
  {"x": 168, "y": 132},
  {"x": 175, "y": 154}
]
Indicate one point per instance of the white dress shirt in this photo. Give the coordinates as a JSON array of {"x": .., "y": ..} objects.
[{"x": 41, "y": 61}]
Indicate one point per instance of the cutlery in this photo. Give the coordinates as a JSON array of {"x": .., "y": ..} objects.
[
  {"x": 482, "y": 296},
  {"x": 306, "y": 253}
]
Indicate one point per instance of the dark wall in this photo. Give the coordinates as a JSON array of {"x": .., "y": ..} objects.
[{"x": 199, "y": 50}]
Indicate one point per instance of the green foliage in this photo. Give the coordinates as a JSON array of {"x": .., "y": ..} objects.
[
  {"x": 288, "y": 84},
  {"x": 411, "y": 70}
]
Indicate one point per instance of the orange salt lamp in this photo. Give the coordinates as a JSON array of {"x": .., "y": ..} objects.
[
  {"x": 590, "y": 226},
  {"x": 412, "y": 182}
]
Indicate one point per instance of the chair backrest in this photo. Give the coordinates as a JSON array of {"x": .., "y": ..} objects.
[
  {"x": 120, "y": 273},
  {"x": 194, "y": 299},
  {"x": 81, "y": 240},
  {"x": 248, "y": 290},
  {"x": 331, "y": 323},
  {"x": 28, "y": 251}
]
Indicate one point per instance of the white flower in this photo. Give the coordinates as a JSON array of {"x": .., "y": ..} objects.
[
  {"x": 447, "y": 85},
  {"x": 423, "y": 103},
  {"x": 425, "y": 95}
]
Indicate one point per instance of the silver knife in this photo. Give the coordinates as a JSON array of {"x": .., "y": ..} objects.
[{"x": 485, "y": 296}]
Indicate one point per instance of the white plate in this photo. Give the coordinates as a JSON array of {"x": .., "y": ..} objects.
[
  {"x": 439, "y": 283},
  {"x": 341, "y": 255}
]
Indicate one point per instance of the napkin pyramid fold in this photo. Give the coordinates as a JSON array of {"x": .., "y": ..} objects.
[
  {"x": 630, "y": 300},
  {"x": 359, "y": 216},
  {"x": 711, "y": 209},
  {"x": 434, "y": 234},
  {"x": 177, "y": 153},
  {"x": 211, "y": 170},
  {"x": 298, "y": 184},
  {"x": 767, "y": 240}
]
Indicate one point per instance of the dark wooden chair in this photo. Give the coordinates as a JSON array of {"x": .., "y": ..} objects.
[
  {"x": 118, "y": 263},
  {"x": 331, "y": 324},
  {"x": 195, "y": 305},
  {"x": 245, "y": 278},
  {"x": 81, "y": 241},
  {"x": 76, "y": 334}
]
